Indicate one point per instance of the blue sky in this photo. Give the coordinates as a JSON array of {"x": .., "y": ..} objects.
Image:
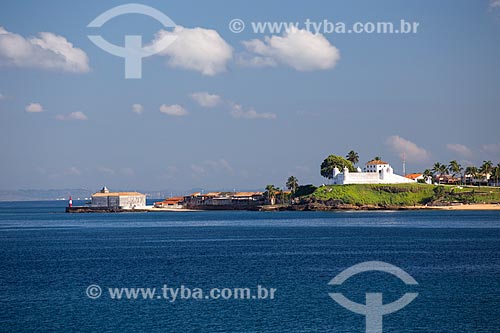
[{"x": 433, "y": 94}]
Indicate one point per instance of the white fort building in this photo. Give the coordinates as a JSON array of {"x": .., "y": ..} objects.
[
  {"x": 118, "y": 200},
  {"x": 375, "y": 172}
]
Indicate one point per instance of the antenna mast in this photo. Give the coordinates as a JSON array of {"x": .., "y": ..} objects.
[{"x": 404, "y": 164}]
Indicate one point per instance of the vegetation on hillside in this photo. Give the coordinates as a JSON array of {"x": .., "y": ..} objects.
[
  {"x": 334, "y": 161},
  {"x": 485, "y": 174},
  {"x": 376, "y": 194},
  {"x": 385, "y": 195}
]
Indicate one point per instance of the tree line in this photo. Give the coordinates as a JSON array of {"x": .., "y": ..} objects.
[{"x": 470, "y": 175}]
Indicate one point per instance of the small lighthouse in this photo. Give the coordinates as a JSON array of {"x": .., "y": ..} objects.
[{"x": 70, "y": 202}]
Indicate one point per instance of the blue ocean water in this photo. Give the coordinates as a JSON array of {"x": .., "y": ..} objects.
[{"x": 49, "y": 258}]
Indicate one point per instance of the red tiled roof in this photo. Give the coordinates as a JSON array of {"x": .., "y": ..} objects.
[
  {"x": 246, "y": 194},
  {"x": 413, "y": 175},
  {"x": 376, "y": 162},
  {"x": 116, "y": 194},
  {"x": 170, "y": 201}
]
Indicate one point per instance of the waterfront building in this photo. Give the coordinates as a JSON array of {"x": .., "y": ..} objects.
[
  {"x": 174, "y": 203},
  {"x": 374, "y": 172},
  {"x": 106, "y": 199},
  {"x": 230, "y": 200}
]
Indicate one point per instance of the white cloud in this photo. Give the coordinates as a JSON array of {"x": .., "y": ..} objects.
[
  {"x": 494, "y": 4},
  {"x": 49, "y": 51},
  {"x": 492, "y": 148},
  {"x": 235, "y": 110},
  {"x": 297, "y": 48},
  {"x": 412, "y": 152},
  {"x": 225, "y": 165},
  {"x": 238, "y": 111},
  {"x": 460, "y": 149},
  {"x": 220, "y": 164},
  {"x": 197, "y": 170},
  {"x": 205, "y": 99},
  {"x": 34, "y": 107},
  {"x": 137, "y": 108},
  {"x": 173, "y": 110},
  {"x": 202, "y": 50},
  {"x": 78, "y": 115}
]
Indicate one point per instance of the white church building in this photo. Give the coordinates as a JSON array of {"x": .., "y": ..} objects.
[{"x": 374, "y": 172}]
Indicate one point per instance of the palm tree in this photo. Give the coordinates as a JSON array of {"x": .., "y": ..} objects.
[
  {"x": 496, "y": 173},
  {"x": 377, "y": 158},
  {"x": 439, "y": 169},
  {"x": 455, "y": 169},
  {"x": 427, "y": 174},
  {"x": 292, "y": 183},
  {"x": 353, "y": 157},
  {"x": 271, "y": 193},
  {"x": 486, "y": 169},
  {"x": 469, "y": 171},
  {"x": 473, "y": 172}
]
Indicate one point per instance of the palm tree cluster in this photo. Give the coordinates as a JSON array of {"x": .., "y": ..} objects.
[
  {"x": 470, "y": 175},
  {"x": 275, "y": 194}
]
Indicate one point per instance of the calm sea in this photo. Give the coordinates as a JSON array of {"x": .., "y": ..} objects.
[{"x": 49, "y": 258}]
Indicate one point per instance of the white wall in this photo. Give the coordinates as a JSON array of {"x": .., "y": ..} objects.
[
  {"x": 386, "y": 176},
  {"x": 119, "y": 201},
  {"x": 132, "y": 200}
]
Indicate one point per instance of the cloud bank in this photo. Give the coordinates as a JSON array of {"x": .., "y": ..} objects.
[
  {"x": 137, "y": 108},
  {"x": 460, "y": 149},
  {"x": 202, "y": 50},
  {"x": 78, "y": 115},
  {"x": 173, "y": 110},
  {"x": 34, "y": 107},
  {"x": 410, "y": 150},
  {"x": 206, "y": 100},
  {"x": 236, "y": 110},
  {"x": 49, "y": 51},
  {"x": 300, "y": 49}
]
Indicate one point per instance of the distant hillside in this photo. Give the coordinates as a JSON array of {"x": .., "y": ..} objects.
[
  {"x": 35, "y": 195},
  {"x": 58, "y": 194}
]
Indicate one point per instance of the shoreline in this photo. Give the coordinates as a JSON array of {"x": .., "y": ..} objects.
[
  {"x": 462, "y": 207},
  {"x": 468, "y": 207}
]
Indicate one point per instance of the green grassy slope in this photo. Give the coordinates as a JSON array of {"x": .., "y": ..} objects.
[{"x": 404, "y": 194}]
